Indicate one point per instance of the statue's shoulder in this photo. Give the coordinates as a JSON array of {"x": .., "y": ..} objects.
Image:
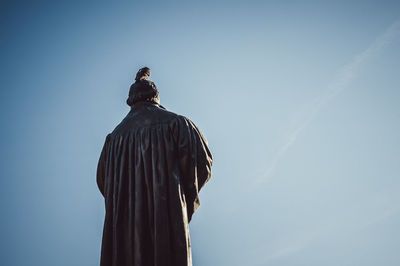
[
  {"x": 147, "y": 116},
  {"x": 166, "y": 113}
]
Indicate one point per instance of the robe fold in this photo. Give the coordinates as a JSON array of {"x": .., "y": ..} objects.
[{"x": 150, "y": 172}]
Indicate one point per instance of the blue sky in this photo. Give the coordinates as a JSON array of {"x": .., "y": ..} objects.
[{"x": 298, "y": 101}]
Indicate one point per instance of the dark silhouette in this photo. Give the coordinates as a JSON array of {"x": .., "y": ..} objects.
[{"x": 150, "y": 171}]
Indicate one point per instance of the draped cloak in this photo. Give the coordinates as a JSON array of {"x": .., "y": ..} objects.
[{"x": 150, "y": 171}]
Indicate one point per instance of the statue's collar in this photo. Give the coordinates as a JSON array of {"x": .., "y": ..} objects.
[{"x": 146, "y": 103}]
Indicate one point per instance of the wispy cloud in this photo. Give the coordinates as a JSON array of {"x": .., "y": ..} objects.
[
  {"x": 340, "y": 83},
  {"x": 326, "y": 231},
  {"x": 357, "y": 218},
  {"x": 360, "y": 215}
]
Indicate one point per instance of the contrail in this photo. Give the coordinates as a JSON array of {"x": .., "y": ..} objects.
[{"x": 340, "y": 83}]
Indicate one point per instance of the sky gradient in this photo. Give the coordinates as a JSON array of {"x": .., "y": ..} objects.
[{"x": 299, "y": 101}]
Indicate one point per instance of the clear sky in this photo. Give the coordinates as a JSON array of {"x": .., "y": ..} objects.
[{"x": 299, "y": 101}]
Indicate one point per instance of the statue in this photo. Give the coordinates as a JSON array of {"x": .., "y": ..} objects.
[{"x": 150, "y": 172}]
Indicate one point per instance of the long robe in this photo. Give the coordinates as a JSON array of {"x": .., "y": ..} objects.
[{"x": 150, "y": 172}]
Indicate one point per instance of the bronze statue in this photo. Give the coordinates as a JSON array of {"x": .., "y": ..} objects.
[{"x": 150, "y": 171}]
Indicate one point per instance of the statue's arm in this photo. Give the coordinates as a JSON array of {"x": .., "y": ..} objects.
[
  {"x": 101, "y": 166},
  {"x": 195, "y": 161}
]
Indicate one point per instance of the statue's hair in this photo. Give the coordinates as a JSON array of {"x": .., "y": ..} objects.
[
  {"x": 143, "y": 89},
  {"x": 143, "y": 73}
]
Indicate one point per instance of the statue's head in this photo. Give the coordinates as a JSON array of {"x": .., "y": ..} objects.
[{"x": 143, "y": 89}]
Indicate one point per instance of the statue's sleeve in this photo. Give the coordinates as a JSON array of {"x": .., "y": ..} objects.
[
  {"x": 102, "y": 164},
  {"x": 195, "y": 161}
]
